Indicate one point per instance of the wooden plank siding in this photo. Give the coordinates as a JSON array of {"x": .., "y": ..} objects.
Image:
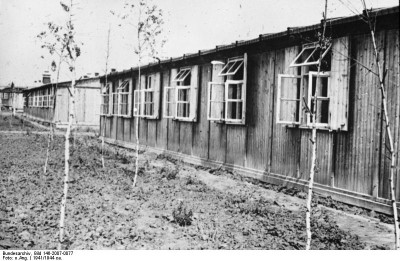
[
  {"x": 201, "y": 130},
  {"x": 353, "y": 160},
  {"x": 286, "y": 141}
]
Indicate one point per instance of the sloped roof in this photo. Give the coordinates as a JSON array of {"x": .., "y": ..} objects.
[{"x": 266, "y": 37}]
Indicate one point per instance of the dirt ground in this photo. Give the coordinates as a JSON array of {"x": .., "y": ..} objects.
[
  {"x": 173, "y": 206},
  {"x": 10, "y": 123}
]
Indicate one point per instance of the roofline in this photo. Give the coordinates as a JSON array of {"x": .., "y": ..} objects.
[
  {"x": 262, "y": 37},
  {"x": 62, "y": 83}
]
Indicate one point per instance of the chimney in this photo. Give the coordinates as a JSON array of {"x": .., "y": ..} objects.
[
  {"x": 46, "y": 77},
  {"x": 113, "y": 70},
  {"x": 96, "y": 74}
]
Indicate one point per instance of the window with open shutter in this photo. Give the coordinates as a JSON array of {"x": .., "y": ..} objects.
[
  {"x": 329, "y": 87},
  {"x": 180, "y": 99},
  {"x": 226, "y": 101},
  {"x": 105, "y": 99},
  {"x": 147, "y": 98},
  {"x": 289, "y": 99}
]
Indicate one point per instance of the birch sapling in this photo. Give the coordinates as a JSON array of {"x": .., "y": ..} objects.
[
  {"x": 392, "y": 150},
  {"x": 323, "y": 43},
  {"x": 103, "y": 126},
  {"x": 64, "y": 37},
  {"x": 148, "y": 40}
]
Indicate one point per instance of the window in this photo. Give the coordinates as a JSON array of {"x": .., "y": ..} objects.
[
  {"x": 51, "y": 98},
  {"x": 121, "y": 99},
  {"x": 180, "y": 99},
  {"x": 30, "y": 100},
  {"x": 226, "y": 101},
  {"x": 147, "y": 98},
  {"x": 309, "y": 55},
  {"x": 45, "y": 101},
  {"x": 329, "y": 88},
  {"x": 319, "y": 85},
  {"x": 5, "y": 96},
  {"x": 289, "y": 99},
  {"x": 105, "y": 100}
]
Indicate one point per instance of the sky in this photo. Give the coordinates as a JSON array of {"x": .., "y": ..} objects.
[{"x": 189, "y": 26}]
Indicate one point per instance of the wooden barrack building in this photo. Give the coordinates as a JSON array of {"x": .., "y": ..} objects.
[{"x": 242, "y": 106}]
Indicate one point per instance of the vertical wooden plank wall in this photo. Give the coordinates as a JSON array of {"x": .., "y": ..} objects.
[
  {"x": 260, "y": 110},
  {"x": 393, "y": 96},
  {"x": 286, "y": 141},
  {"x": 201, "y": 128}
]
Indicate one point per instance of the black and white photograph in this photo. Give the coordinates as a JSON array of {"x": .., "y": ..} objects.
[{"x": 198, "y": 125}]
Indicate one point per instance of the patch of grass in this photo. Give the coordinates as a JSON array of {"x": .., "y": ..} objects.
[{"x": 182, "y": 215}]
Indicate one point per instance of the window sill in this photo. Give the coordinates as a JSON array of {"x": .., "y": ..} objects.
[
  {"x": 305, "y": 127},
  {"x": 184, "y": 120}
]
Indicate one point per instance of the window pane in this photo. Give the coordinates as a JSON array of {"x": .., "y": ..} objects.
[
  {"x": 322, "y": 86},
  {"x": 183, "y": 110},
  {"x": 322, "y": 111},
  {"x": 289, "y": 108},
  {"x": 289, "y": 111},
  {"x": 235, "y": 91},
  {"x": 183, "y": 95},
  {"x": 234, "y": 110}
]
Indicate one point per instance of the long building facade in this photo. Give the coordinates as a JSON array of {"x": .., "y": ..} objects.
[
  {"x": 39, "y": 103},
  {"x": 244, "y": 107}
]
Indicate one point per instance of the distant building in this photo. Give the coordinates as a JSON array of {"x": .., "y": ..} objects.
[
  {"x": 12, "y": 97},
  {"x": 39, "y": 102}
]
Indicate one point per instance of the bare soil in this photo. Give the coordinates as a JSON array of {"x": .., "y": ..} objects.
[
  {"x": 173, "y": 206},
  {"x": 8, "y": 122}
]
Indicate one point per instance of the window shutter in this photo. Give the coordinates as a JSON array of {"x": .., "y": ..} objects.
[
  {"x": 339, "y": 84},
  {"x": 174, "y": 72},
  {"x": 156, "y": 86},
  {"x": 194, "y": 81},
  {"x": 130, "y": 98},
  {"x": 244, "y": 89}
]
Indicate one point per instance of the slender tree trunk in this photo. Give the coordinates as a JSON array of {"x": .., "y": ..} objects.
[
  {"x": 137, "y": 135},
  {"x": 392, "y": 150},
  {"x": 67, "y": 158},
  {"x": 314, "y": 140},
  {"x": 137, "y": 117},
  {"x": 103, "y": 127}
]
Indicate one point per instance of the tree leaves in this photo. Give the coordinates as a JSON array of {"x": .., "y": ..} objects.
[{"x": 65, "y": 7}]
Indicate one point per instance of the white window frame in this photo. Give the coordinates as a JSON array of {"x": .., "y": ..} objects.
[
  {"x": 116, "y": 98},
  {"x": 310, "y": 97},
  {"x": 210, "y": 101},
  {"x": 314, "y": 46},
  {"x": 182, "y": 74},
  {"x": 230, "y": 69},
  {"x": 279, "y": 99},
  {"x": 179, "y": 78},
  {"x": 242, "y": 100},
  {"x": 177, "y": 101},
  {"x": 230, "y": 65},
  {"x": 139, "y": 99},
  {"x": 105, "y": 94}
]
